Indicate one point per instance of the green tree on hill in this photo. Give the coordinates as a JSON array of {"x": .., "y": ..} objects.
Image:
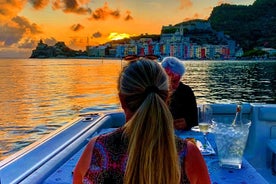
[{"x": 250, "y": 26}]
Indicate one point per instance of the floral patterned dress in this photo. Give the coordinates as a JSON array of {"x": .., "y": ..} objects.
[{"x": 109, "y": 158}]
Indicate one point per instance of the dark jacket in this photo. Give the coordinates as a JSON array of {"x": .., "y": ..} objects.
[{"x": 183, "y": 105}]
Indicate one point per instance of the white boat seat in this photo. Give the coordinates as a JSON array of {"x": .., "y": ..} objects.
[{"x": 272, "y": 147}]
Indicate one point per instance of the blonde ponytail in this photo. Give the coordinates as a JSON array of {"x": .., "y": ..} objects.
[{"x": 152, "y": 154}]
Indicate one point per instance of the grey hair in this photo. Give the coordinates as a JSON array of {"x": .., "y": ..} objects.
[{"x": 174, "y": 64}]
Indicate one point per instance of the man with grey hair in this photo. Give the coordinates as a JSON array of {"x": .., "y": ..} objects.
[{"x": 183, "y": 102}]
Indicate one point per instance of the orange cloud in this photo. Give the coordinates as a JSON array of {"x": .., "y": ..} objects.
[
  {"x": 77, "y": 42},
  {"x": 17, "y": 29},
  {"x": 220, "y": 2},
  {"x": 97, "y": 35},
  {"x": 28, "y": 44},
  {"x": 77, "y": 27},
  {"x": 72, "y": 6},
  {"x": 10, "y": 9},
  {"x": 39, "y": 4},
  {"x": 50, "y": 41},
  {"x": 128, "y": 16},
  {"x": 185, "y": 4},
  {"x": 26, "y": 25},
  {"x": 195, "y": 16},
  {"x": 104, "y": 12}
]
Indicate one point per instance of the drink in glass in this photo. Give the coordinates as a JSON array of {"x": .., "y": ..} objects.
[
  {"x": 203, "y": 127},
  {"x": 204, "y": 122}
]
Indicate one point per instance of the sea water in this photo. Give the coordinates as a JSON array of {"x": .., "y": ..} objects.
[{"x": 37, "y": 96}]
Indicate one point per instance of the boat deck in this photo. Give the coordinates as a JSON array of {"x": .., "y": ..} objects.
[
  {"x": 64, "y": 174},
  {"x": 247, "y": 174},
  {"x": 52, "y": 160},
  {"x": 257, "y": 154}
]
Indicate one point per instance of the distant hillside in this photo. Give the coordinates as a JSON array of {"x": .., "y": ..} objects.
[
  {"x": 199, "y": 31},
  {"x": 250, "y": 26}
]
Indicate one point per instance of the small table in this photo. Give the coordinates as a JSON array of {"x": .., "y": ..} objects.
[{"x": 219, "y": 175}]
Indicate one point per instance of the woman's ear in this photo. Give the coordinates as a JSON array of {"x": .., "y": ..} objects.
[{"x": 128, "y": 113}]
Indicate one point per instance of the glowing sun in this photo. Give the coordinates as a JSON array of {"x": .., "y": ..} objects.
[{"x": 118, "y": 36}]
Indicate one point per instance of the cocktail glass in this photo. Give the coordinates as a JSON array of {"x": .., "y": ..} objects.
[{"x": 205, "y": 125}]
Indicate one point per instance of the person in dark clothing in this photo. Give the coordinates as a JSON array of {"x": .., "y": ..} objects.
[{"x": 182, "y": 104}]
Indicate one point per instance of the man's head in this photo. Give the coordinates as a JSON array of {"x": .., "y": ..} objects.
[{"x": 175, "y": 70}]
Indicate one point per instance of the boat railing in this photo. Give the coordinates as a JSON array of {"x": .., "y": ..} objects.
[
  {"x": 262, "y": 129},
  {"x": 36, "y": 162}
]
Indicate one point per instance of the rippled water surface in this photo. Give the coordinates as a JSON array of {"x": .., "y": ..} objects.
[{"x": 39, "y": 96}]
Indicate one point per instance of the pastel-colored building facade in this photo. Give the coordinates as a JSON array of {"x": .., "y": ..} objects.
[{"x": 179, "y": 42}]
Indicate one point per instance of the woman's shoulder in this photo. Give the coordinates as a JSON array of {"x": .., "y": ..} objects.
[
  {"x": 107, "y": 133},
  {"x": 180, "y": 140},
  {"x": 112, "y": 140},
  {"x": 181, "y": 145},
  {"x": 184, "y": 144}
]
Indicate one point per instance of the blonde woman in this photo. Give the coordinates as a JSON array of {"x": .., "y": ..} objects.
[{"x": 145, "y": 150}]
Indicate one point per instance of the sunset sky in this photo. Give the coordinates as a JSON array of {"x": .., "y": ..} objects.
[{"x": 91, "y": 22}]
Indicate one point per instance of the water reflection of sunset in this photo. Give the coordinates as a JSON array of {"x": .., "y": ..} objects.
[
  {"x": 49, "y": 93},
  {"x": 39, "y": 96}
]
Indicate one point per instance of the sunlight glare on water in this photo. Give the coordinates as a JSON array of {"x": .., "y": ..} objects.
[{"x": 38, "y": 96}]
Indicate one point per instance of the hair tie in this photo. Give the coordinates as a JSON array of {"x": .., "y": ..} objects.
[{"x": 151, "y": 89}]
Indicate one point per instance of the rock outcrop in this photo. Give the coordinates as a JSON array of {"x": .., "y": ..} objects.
[{"x": 59, "y": 50}]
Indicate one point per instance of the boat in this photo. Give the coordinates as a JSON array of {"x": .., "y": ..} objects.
[{"x": 52, "y": 159}]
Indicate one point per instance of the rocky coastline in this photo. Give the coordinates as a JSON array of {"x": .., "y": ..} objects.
[{"x": 59, "y": 50}]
